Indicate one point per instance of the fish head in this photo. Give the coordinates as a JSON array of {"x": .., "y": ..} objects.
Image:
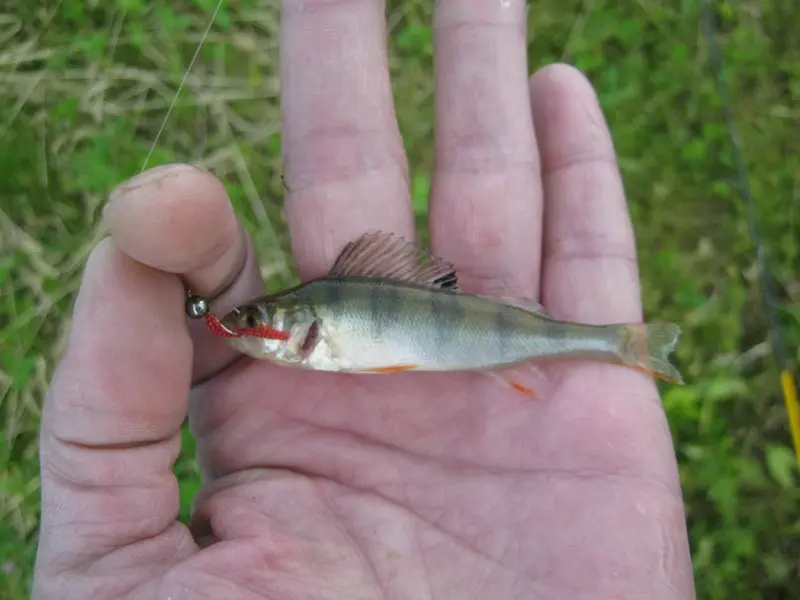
[{"x": 289, "y": 321}]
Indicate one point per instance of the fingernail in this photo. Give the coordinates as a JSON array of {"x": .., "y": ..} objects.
[{"x": 148, "y": 177}]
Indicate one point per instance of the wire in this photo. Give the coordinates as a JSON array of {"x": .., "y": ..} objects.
[{"x": 788, "y": 384}]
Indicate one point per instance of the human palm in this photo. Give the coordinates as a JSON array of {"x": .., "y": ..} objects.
[{"x": 410, "y": 485}]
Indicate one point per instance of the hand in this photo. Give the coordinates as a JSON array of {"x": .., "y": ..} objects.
[{"x": 405, "y": 486}]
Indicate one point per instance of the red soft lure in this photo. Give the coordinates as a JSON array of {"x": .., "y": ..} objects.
[{"x": 263, "y": 331}]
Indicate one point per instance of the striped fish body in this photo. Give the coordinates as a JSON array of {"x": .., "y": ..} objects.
[
  {"x": 375, "y": 324},
  {"x": 386, "y": 306}
]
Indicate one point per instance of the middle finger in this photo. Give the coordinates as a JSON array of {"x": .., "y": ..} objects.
[
  {"x": 486, "y": 198},
  {"x": 345, "y": 164}
]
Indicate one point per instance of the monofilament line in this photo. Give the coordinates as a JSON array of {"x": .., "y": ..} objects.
[
  {"x": 787, "y": 380},
  {"x": 182, "y": 83}
]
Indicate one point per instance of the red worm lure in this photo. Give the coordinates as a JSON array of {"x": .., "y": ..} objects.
[{"x": 263, "y": 331}]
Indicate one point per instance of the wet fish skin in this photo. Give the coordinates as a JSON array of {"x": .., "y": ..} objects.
[
  {"x": 373, "y": 324},
  {"x": 382, "y": 308}
]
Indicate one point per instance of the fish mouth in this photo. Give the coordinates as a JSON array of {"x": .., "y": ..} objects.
[{"x": 231, "y": 320}]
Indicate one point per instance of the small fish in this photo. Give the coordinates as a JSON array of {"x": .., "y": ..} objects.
[{"x": 386, "y": 306}]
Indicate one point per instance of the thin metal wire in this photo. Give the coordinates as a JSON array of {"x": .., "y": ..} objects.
[{"x": 788, "y": 385}]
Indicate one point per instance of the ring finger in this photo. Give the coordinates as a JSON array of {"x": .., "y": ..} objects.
[{"x": 486, "y": 197}]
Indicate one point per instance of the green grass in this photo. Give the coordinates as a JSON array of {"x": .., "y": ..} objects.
[{"x": 83, "y": 92}]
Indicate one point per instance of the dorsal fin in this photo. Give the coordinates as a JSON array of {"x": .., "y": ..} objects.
[
  {"x": 527, "y": 304},
  {"x": 385, "y": 255}
]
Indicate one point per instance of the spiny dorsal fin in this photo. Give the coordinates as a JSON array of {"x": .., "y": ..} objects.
[{"x": 385, "y": 255}]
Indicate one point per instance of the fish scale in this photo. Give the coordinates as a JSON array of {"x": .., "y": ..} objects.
[
  {"x": 387, "y": 306},
  {"x": 379, "y": 323}
]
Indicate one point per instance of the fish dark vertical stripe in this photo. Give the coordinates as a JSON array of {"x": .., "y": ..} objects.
[
  {"x": 436, "y": 316},
  {"x": 447, "y": 317},
  {"x": 506, "y": 326},
  {"x": 375, "y": 306},
  {"x": 384, "y": 303},
  {"x": 555, "y": 331},
  {"x": 561, "y": 336},
  {"x": 332, "y": 291}
]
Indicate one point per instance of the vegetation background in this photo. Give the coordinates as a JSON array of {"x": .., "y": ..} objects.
[{"x": 85, "y": 84}]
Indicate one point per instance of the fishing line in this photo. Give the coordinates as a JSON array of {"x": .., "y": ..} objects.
[
  {"x": 787, "y": 380},
  {"x": 196, "y": 307},
  {"x": 182, "y": 83}
]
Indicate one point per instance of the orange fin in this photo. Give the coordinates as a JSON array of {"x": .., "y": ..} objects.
[
  {"x": 513, "y": 379},
  {"x": 656, "y": 374},
  {"x": 523, "y": 389},
  {"x": 646, "y": 347},
  {"x": 394, "y": 369}
]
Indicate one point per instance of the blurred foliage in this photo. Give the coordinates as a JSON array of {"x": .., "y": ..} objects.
[{"x": 86, "y": 84}]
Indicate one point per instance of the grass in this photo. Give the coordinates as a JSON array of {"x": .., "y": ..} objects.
[{"x": 84, "y": 87}]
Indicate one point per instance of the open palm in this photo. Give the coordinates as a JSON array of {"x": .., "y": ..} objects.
[{"x": 404, "y": 486}]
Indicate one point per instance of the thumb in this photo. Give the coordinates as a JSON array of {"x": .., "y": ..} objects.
[{"x": 111, "y": 422}]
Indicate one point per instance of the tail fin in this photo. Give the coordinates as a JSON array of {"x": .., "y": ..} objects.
[{"x": 648, "y": 346}]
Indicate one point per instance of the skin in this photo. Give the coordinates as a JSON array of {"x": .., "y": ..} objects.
[{"x": 411, "y": 485}]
